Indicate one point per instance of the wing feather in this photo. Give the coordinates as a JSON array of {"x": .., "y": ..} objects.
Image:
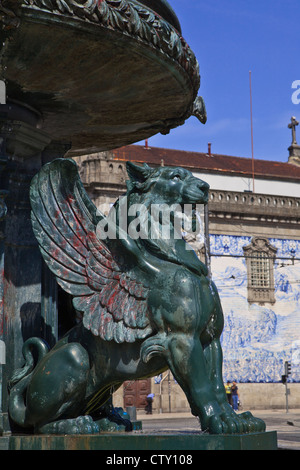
[
  {"x": 113, "y": 301},
  {"x": 101, "y": 254},
  {"x": 49, "y": 235},
  {"x": 56, "y": 218},
  {"x": 73, "y": 288},
  {"x": 95, "y": 318},
  {"x": 116, "y": 308},
  {"x": 65, "y": 209},
  {"x": 108, "y": 327},
  {"x": 128, "y": 313},
  {"x": 48, "y": 245},
  {"x": 141, "y": 314},
  {"x": 78, "y": 277},
  {"x": 87, "y": 305}
]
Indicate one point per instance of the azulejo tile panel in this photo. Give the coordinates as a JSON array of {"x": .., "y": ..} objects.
[{"x": 258, "y": 339}]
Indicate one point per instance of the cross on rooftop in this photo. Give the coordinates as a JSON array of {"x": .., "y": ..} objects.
[{"x": 294, "y": 123}]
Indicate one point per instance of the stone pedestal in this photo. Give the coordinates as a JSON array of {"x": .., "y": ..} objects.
[{"x": 113, "y": 443}]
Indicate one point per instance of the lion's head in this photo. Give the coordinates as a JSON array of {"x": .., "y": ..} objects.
[
  {"x": 167, "y": 196},
  {"x": 166, "y": 185}
]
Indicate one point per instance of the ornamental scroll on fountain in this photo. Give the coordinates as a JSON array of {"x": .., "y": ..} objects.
[{"x": 99, "y": 74}]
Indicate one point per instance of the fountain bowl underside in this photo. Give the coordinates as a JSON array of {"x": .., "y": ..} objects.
[{"x": 95, "y": 81}]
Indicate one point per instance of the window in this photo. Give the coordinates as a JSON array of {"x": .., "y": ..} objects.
[{"x": 260, "y": 256}]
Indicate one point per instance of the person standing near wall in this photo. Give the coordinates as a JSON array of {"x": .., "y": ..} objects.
[
  {"x": 149, "y": 400},
  {"x": 228, "y": 393},
  {"x": 235, "y": 396}
]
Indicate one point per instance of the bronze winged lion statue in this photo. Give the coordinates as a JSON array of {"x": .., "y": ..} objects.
[{"x": 147, "y": 304}]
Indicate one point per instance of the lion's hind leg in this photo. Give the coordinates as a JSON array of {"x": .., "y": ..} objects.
[{"x": 57, "y": 389}]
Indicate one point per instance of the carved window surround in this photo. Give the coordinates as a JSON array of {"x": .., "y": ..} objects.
[{"x": 260, "y": 256}]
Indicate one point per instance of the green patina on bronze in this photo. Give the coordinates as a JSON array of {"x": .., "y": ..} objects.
[
  {"x": 105, "y": 74},
  {"x": 146, "y": 304},
  {"x": 99, "y": 73}
]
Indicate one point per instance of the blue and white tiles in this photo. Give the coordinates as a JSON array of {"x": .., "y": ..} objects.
[{"x": 258, "y": 339}]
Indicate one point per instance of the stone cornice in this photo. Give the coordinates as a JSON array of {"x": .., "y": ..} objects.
[
  {"x": 252, "y": 204},
  {"x": 221, "y": 203}
]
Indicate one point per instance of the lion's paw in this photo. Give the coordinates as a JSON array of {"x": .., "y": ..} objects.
[
  {"x": 252, "y": 424},
  {"x": 235, "y": 424},
  {"x": 222, "y": 424},
  {"x": 105, "y": 425},
  {"x": 80, "y": 425}
]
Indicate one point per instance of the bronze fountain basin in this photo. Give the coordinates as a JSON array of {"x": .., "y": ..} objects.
[{"x": 100, "y": 74}]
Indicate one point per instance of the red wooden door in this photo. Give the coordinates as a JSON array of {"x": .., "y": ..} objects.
[{"x": 135, "y": 393}]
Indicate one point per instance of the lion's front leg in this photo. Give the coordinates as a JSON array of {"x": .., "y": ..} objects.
[
  {"x": 188, "y": 364},
  {"x": 184, "y": 355},
  {"x": 244, "y": 422},
  {"x": 214, "y": 359}
]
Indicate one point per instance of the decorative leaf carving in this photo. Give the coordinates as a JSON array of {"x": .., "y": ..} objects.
[
  {"x": 131, "y": 18},
  {"x": 135, "y": 20},
  {"x": 63, "y": 7},
  {"x": 103, "y": 12}
]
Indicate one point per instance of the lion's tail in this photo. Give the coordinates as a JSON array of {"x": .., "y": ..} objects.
[
  {"x": 29, "y": 350},
  {"x": 34, "y": 349}
]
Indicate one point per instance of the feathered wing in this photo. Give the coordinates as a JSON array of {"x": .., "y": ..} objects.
[{"x": 113, "y": 303}]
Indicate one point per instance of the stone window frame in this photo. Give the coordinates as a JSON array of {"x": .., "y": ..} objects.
[{"x": 260, "y": 258}]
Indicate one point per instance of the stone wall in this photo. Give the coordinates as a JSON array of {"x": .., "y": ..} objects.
[{"x": 170, "y": 398}]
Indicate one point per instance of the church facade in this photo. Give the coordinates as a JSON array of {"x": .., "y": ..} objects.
[{"x": 253, "y": 251}]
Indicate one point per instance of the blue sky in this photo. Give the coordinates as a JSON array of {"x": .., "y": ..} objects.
[{"x": 230, "y": 38}]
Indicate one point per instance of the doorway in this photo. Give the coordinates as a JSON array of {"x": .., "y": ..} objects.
[{"x": 135, "y": 393}]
